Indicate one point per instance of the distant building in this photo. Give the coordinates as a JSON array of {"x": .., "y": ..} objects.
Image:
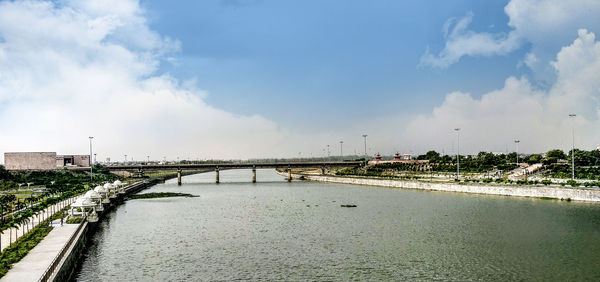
[
  {"x": 406, "y": 158},
  {"x": 43, "y": 161}
]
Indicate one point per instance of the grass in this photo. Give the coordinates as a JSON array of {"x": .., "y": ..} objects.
[{"x": 160, "y": 195}]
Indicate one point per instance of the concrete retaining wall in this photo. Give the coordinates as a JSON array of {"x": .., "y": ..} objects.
[{"x": 578, "y": 194}]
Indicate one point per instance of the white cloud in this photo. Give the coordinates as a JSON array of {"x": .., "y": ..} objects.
[
  {"x": 461, "y": 42},
  {"x": 519, "y": 111},
  {"x": 546, "y": 24},
  {"x": 85, "y": 68}
]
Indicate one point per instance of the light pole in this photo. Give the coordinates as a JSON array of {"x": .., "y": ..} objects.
[
  {"x": 125, "y": 158},
  {"x": 517, "y": 143},
  {"x": 457, "y": 152},
  {"x": 148, "y": 158},
  {"x": 91, "y": 165},
  {"x": 572, "y": 116},
  {"x": 328, "y": 153},
  {"x": 95, "y": 159},
  {"x": 342, "y": 149},
  {"x": 365, "y": 136}
]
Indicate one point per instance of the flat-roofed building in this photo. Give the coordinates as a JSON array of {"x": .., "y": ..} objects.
[{"x": 43, "y": 161}]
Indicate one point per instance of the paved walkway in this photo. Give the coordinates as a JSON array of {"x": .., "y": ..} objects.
[
  {"x": 33, "y": 265},
  {"x": 7, "y": 238}
]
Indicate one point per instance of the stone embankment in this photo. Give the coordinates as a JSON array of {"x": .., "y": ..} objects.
[{"x": 537, "y": 191}]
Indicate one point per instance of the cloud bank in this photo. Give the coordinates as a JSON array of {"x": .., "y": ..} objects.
[
  {"x": 518, "y": 111},
  {"x": 73, "y": 69}
]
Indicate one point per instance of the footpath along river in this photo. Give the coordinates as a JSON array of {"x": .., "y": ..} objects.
[{"x": 274, "y": 230}]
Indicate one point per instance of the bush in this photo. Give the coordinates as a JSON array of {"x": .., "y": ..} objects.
[{"x": 573, "y": 183}]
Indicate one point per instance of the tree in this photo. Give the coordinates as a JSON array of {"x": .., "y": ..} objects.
[
  {"x": 432, "y": 156},
  {"x": 556, "y": 153},
  {"x": 4, "y": 174}
]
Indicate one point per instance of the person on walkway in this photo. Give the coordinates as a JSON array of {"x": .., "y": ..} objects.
[{"x": 61, "y": 221}]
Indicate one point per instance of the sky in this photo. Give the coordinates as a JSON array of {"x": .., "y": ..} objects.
[{"x": 238, "y": 79}]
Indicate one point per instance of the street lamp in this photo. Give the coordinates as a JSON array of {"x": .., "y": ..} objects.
[
  {"x": 125, "y": 158},
  {"x": 342, "y": 149},
  {"x": 91, "y": 165},
  {"x": 457, "y": 152},
  {"x": 95, "y": 158},
  {"x": 572, "y": 116},
  {"x": 365, "y": 136},
  {"x": 148, "y": 158},
  {"x": 517, "y": 143}
]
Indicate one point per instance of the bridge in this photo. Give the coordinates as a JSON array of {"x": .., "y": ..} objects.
[{"x": 217, "y": 166}]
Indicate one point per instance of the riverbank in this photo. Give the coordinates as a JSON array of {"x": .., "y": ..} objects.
[
  {"x": 535, "y": 191},
  {"x": 56, "y": 256}
]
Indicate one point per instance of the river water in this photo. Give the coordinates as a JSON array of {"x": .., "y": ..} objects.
[{"x": 274, "y": 230}]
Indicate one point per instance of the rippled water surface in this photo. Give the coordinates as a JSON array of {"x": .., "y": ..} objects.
[{"x": 274, "y": 230}]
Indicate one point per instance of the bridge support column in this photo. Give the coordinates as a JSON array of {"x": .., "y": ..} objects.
[
  {"x": 289, "y": 178},
  {"x": 253, "y": 174},
  {"x": 179, "y": 177},
  {"x": 217, "y": 176},
  {"x": 322, "y": 170}
]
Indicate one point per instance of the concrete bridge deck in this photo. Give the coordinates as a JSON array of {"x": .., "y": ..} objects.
[
  {"x": 217, "y": 166},
  {"x": 235, "y": 165}
]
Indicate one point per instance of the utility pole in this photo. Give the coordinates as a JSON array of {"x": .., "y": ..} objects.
[
  {"x": 572, "y": 116},
  {"x": 457, "y": 152},
  {"x": 342, "y": 149},
  {"x": 91, "y": 164}
]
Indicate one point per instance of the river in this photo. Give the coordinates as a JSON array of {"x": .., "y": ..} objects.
[{"x": 274, "y": 230}]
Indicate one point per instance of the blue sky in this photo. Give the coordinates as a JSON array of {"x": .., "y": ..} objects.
[
  {"x": 259, "y": 78},
  {"x": 326, "y": 59}
]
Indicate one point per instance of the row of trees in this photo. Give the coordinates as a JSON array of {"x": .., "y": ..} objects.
[{"x": 485, "y": 160}]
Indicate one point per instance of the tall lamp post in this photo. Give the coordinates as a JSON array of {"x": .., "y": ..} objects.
[
  {"x": 457, "y": 152},
  {"x": 517, "y": 143},
  {"x": 342, "y": 149},
  {"x": 572, "y": 116},
  {"x": 125, "y": 158},
  {"x": 91, "y": 164},
  {"x": 365, "y": 137}
]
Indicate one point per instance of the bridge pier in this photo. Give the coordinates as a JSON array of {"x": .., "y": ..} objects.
[
  {"x": 254, "y": 174},
  {"x": 322, "y": 170},
  {"x": 179, "y": 177},
  {"x": 217, "y": 176},
  {"x": 289, "y": 177}
]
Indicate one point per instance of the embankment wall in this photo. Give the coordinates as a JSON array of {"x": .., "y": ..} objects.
[{"x": 577, "y": 194}]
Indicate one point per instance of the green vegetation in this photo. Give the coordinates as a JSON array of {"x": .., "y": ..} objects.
[
  {"x": 22, "y": 246},
  {"x": 74, "y": 220},
  {"x": 556, "y": 164},
  {"x": 160, "y": 195}
]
